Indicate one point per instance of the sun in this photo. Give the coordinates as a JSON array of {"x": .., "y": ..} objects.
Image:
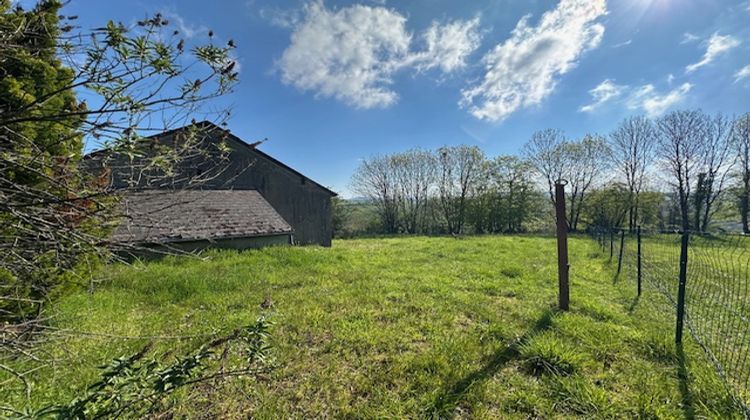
[{"x": 638, "y": 11}]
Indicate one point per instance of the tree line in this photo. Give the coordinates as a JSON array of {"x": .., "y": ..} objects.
[
  {"x": 677, "y": 171},
  {"x": 452, "y": 190}
]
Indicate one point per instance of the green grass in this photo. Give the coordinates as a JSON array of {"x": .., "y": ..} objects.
[
  {"x": 717, "y": 300},
  {"x": 398, "y": 327}
]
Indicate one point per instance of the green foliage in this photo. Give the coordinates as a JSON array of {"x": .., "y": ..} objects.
[
  {"x": 357, "y": 218},
  {"x": 607, "y": 207},
  {"x": 340, "y": 215},
  {"x": 505, "y": 199},
  {"x": 56, "y": 209},
  {"x": 37, "y": 155},
  {"x": 34, "y": 76},
  {"x": 650, "y": 207},
  {"x": 135, "y": 386}
]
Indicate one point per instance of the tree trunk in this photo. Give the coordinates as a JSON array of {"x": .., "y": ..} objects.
[
  {"x": 631, "y": 211},
  {"x": 571, "y": 227},
  {"x": 698, "y": 201},
  {"x": 706, "y": 214}
]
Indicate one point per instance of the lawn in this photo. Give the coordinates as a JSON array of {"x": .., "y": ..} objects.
[{"x": 396, "y": 327}]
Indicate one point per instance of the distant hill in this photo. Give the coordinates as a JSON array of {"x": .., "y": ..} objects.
[{"x": 358, "y": 200}]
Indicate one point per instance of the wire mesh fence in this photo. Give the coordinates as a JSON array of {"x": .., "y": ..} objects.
[{"x": 716, "y": 290}]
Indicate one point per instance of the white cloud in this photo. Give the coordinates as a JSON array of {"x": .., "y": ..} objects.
[
  {"x": 717, "y": 45},
  {"x": 654, "y": 103},
  {"x": 524, "y": 69},
  {"x": 349, "y": 54},
  {"x": 604, "y": 92},
  {"x": 448, "y": 46},
  {"x": 187, "y": 29},
  {"x": 643, "y": 98},
  {"x": 352, "y": 53},
  {"x": 282, "y": 18},
  {"x": 742, "y": 73},
  {"x": 670, "y": 78},
  {"x": 687, "y": 37},
  {"x": 623, "y": 44}
]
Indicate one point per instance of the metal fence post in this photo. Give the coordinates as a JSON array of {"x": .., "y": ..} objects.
[
  {"x": 638, "y": 233},
  {"x": 562, "y": 245},
  {"x": 622, "y": 246},
  {"x": 611, "y": 242},
  {"x": 681, "y": 288}
]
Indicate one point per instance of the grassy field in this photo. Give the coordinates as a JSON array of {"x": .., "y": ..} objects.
[{"x": 402, "y": 327}]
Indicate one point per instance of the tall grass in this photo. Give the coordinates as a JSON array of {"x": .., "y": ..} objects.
[{"x": 397, "y": 327}]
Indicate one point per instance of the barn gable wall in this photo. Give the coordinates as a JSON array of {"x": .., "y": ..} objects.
[{"x": 302, "y": 203}]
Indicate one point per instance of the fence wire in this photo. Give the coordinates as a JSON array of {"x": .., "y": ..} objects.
[{"x": 717, "y": 291}]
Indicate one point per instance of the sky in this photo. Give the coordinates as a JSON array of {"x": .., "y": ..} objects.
[{"x": 332, "y": 82}]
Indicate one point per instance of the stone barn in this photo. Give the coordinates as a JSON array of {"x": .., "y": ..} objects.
[{"x": 253, "y": 200}]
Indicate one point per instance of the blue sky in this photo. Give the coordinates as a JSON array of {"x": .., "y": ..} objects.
[{"x": 331, "y": 82}]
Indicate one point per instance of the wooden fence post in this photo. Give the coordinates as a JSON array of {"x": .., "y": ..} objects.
[{"x": 563, "y": 267}]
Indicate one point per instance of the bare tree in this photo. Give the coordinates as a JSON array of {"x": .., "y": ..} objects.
[
  {"x": 544, "y": 151},
  {"x": 679, "y": 146},
  {"x": 376, "y": 180},
  {"x": 717, "y": 160},
  {"x": 414, "y": 171},
  {"x": 741, "y": 140},
  {"x": 458, "y": 168},
  {"x": 631, "y": 146},
  {"x": 513, "y": 181},
  {"x": 585, "y": 161}
]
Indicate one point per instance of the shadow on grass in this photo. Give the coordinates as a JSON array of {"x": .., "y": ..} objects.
[
  {"x": 447, "y": 401},
  {"x": 633, "y": 304},
  {"x": 682, "y": 374}
]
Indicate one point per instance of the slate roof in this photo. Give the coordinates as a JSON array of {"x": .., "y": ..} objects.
[{"x": 159, "y": 216}]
